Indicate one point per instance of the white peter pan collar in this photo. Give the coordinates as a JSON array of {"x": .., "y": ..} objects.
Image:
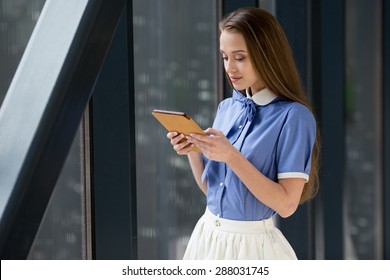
[{"x": 262, "y": 97}]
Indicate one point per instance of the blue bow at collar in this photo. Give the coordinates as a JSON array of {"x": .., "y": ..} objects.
[{"x": 249, "y": 105}]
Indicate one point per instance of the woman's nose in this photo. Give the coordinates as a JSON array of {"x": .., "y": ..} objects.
[{"x": 230, "y": 66}]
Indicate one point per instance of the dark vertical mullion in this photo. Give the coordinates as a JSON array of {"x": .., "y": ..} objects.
[
  {"x": 317, "y": 220},
  {"x": 132, "y": 133},
  {"x": 113, "y": 140},
  {"x": 332, "y": 43},
  {"x": 386, "y": 127},
  {"x": 293, "y": 17}
]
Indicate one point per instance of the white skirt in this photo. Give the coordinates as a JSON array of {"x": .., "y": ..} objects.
[{"x": 215, "y": 238}]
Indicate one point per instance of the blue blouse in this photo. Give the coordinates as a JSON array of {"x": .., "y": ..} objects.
[{"x": 275, "y": 135}]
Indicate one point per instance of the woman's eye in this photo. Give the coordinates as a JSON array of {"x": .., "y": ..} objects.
[{"x": 240, "y": 58}]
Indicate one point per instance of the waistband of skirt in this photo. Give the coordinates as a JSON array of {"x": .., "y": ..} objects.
[{"x": 237, "y": 226}]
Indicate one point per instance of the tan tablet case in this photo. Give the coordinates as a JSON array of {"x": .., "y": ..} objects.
[{"x": 179, "y": 122}]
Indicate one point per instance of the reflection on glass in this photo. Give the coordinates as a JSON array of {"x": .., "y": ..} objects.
[
  {"x": 362, "y": 197},
  {"x": 62, "y": 232},
  {"x": 269, "y": 5},
  {"x": 175, "y": 54},
  {"x": 17, "y": 21}
]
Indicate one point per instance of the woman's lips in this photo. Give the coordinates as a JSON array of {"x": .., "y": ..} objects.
[{"x": 234, "y": 79}]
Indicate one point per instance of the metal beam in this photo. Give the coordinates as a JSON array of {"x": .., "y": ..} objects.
[
  {"x": 43, "y": 108},
  {"x": 328, "y": 89},
  {"x": 386, "y": 127},
  {"x": 113, "y": 149}
]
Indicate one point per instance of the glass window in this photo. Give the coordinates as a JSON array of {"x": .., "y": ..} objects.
[
  {"x": 363, "y": 178},
  {"x": 269, "y": 5},
  {"x": 175, "y": 52},
  {"x": 62, "y": 234},
  {"x": 17, "y": 21}
]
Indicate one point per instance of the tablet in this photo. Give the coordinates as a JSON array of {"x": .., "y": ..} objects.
[{"x": 179, "y": 122}]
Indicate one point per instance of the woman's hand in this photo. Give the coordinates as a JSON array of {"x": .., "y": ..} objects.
[
  {"x": 215, "y": 146},
  {"x": 179, "y": 142}
]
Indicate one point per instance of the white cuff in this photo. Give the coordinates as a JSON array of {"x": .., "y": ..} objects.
[{"x": 293, "y": 175}]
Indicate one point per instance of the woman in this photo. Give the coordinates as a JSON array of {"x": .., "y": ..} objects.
[{"x": 263, "y": 148}]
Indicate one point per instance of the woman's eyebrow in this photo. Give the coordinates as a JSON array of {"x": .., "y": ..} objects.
[{"x": 233, "y": 51}]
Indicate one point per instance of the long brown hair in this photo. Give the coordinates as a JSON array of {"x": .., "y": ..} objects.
[{"x": 272, "y": 58}]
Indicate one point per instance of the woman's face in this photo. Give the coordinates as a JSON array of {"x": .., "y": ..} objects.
[{"x": 238, "y": 64}]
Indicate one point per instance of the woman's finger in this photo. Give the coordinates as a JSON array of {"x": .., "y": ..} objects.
[
  {"x": 171, "y": 134},
  {"x": 212, "y": 131},
  {"x": 175, "y": 140},
  {"x": 183, "y": 148},
  {"x": 196, "y": 140}
]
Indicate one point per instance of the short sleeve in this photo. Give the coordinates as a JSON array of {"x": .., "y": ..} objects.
[{"x": 295, "y": 143}]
